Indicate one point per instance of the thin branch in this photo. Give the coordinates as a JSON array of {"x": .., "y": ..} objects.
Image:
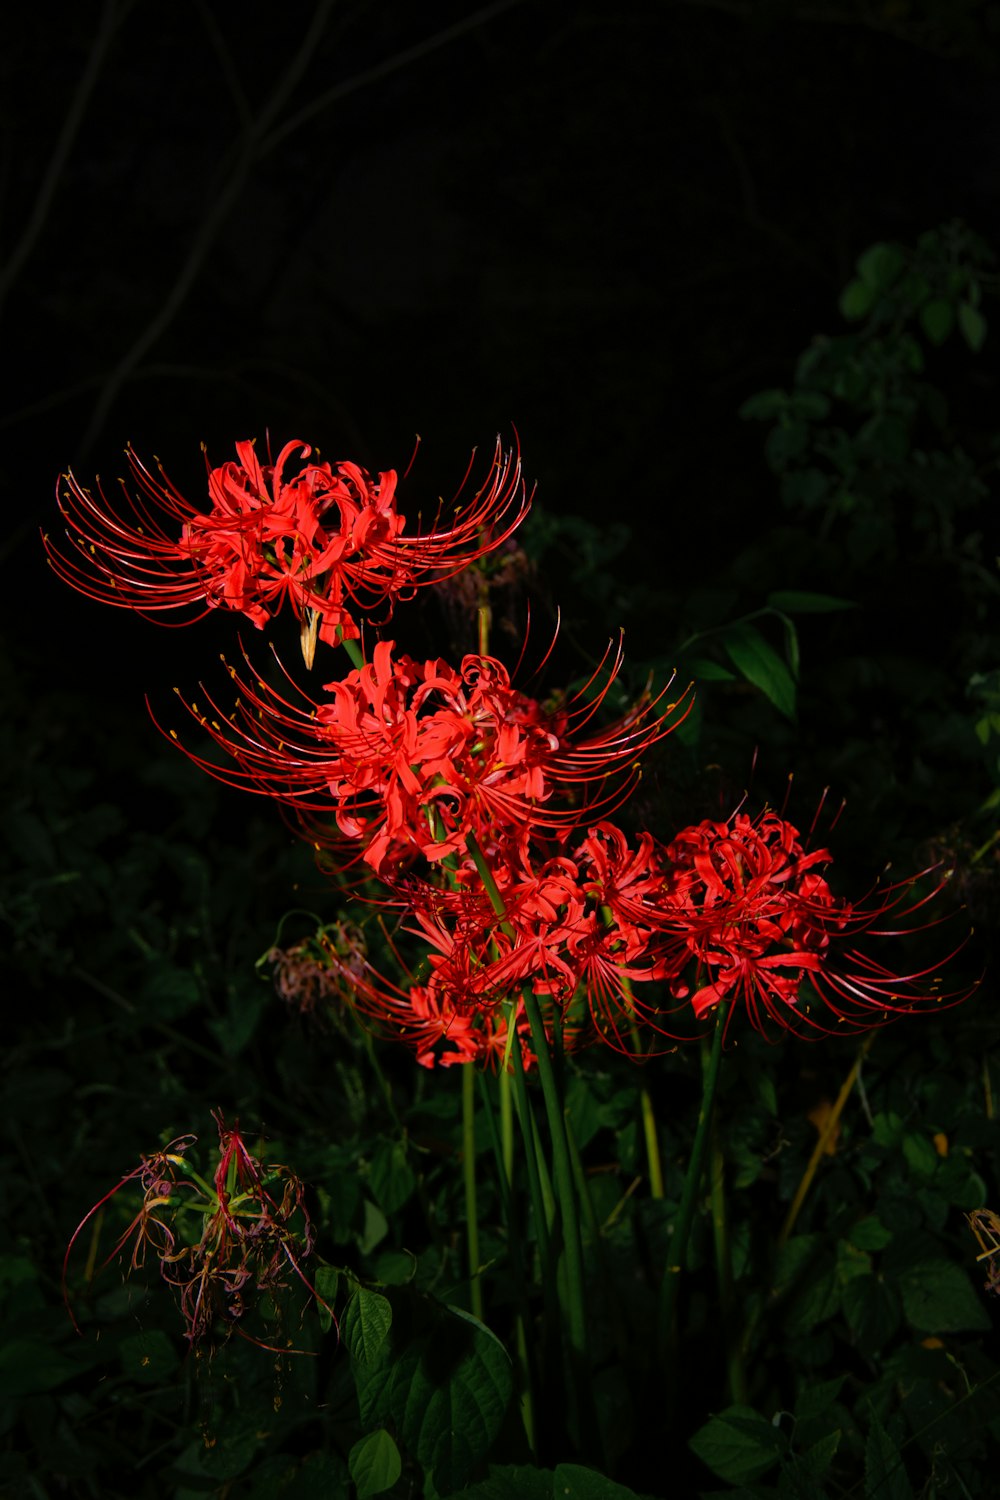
[
  {"x": 210, "y": 226},
  {"x": 229, "y": 73},
  {"x": 924, "y": 38},
  {"x": 390, "y": 65},
  {"x": 261, "y": 137},
  {"x": 111, "y": 18}
]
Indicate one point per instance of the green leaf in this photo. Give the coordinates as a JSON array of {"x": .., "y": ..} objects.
[
  {"x": 739, "y": 1445},
  {"x": 801, "y": 1477},
  {"x": 938, "y": 1297},
  {"x": 391, "y": 1177},
  {"x": 804, "y": 1277},
  {"x": 856, "y": 300},
  {"x": 811, "y": 405},
  {"x": 512, "y": 1482},
  {"x": 871, "y": 1308},
  {"x": 886, "y": 437},
  {"x": 870, "y": 1234},
  {"x": 798, "y": 602},
  {"x": 816, "y": 1413},
  {"x": 920, "y": 1155},
  {"x": 236, "y": 1443},
  {"x": 764, "y": 406},
  {"x": 887, "y": 1129},
  {"x": 937, "y": 319},
  {"x": 573, "y": 1482},
  {"x": 443, "y": 1379},
  {"x": 374, "y": 1463},
  {"x": 972, "y": 325},
  {"x": 15, "y": 1270},
  {"x": 365, "y": 1324},
  {"x": 584, "y": 1110},
  {"x": 148, "y": 1357},
  {"x": 29, "y": 1365},
  {"x": 326, "y": 1280},
  {"x": 816, "y": 1400},
  {"x": 762, "y": 1085},
  {"x": 709, "y": 671},
  {"x": 785, "y": 442},
  {"x": 885, "y": 1476},
  {"x": 807, "y": 488},
  {"x": 879, "y": 265},
  {"x": 376, "y": 1227},
  {"x": 395, "y": 1267},
  {"x": 320, "y": 1476},
  {"x": 792, "y": 647},
  {"x": 761, "y": 666}
]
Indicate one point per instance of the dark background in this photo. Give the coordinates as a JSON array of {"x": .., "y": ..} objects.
[{"x": 606, "y": 224}]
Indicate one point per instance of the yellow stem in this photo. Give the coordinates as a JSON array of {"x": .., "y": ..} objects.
[{"x": 825, "y": 1136}]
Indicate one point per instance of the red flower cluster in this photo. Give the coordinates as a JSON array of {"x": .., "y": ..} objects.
[
  {"x": 406, "y": 761},
  {"x": 248, "y": 1242},
  {"x": 581, "y": 931},
  {"x": 606, "y": 937},
  {"x": 326, "y": 538},
  {"x": 744, "y": 900},
  {"x": 412, "y": 757}
]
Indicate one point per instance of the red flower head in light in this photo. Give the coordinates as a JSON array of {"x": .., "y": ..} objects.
[
  {"x": 580, "y": 930},
  {"x": 746, "y": 903},
  {"x": 412, "y": 757},
  {"x": 328, "y": 538}
]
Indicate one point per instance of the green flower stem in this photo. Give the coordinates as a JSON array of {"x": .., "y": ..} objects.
[
  {"x": 564, "y": 1184},
  {"x": 548, "y": 1196},
  {"x": 507, "y": 1120},
  {"x": 651, "y": 1137},
  {"x": 528, "y": 1371},
  {"x": 649, "y": 1130},
  {"x": 610, "y": 1291},
  {"x": 735, "y": 1370},
  {"x": 353, "y": 649},
  {"x": 583, "y": 1192},
  {"x": 692, "y": 1182},
  {"x": 469, "y": 1175},
  {"x": 543, "y": 1216},
  {"x": 539, "y": 1186},
  {"x": 572, "y": 1298}
]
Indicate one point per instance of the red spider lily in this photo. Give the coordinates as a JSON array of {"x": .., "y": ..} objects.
[
  {"x": 441, "y": 1034},
  {"x": 326, "y": 538},
  {"x": 248, "y": 1243},
  {"x": 570, "y": 935},
  {"x": 333, "y": 966},
  {"x": 412, "y": 757},
  {"x": 745, "y": 902}
]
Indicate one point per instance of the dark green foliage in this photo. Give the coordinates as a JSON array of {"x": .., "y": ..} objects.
[{"x": 137, "y": 901}]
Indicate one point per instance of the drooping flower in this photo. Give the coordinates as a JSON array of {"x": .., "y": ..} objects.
[
  {"x": 747, "y": 907},
  {"x": 326, "y": 538},
  {"x": 255, "y": 1230},
  {"x": 410, "y": 758},
  {"x": 327, "y": 967}
]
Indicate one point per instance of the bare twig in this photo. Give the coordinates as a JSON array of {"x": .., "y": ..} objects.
[
  {"x": 222, "y": 205},
  {"x": 260, "y": 136},
  {"x": 112, "y": 15},
  {"x": 389, "y": 65}
]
